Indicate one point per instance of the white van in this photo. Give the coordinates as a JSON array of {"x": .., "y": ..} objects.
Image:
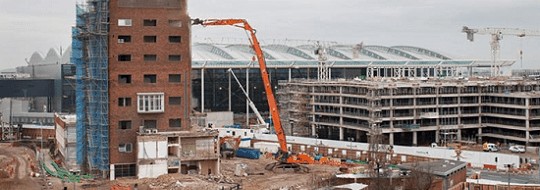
[{"x": 490, "y": 147}]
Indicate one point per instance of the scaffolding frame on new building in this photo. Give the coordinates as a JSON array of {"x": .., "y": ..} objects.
[{"x": 90, "y": 55}]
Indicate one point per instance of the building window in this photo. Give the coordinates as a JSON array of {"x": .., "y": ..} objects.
[
  {"x": 124, "y": 124},
  {"x": 125, "y": 170},
  {"x": 124, "y": 22},
  {"x": 175, "y": 23},
  {"x": 124, "y": 147},
  {"x": 150, "y": 102},
  {"x": 124, "y": 101},
  {"x": 175, "y": 100},
  {"x": 175, "y": 122},
  {"x": 124, "y": 39},
  {"x": 150, "y": 57},
  {"x": 150, "y": 78},
  {"x": 175, "y": 78},
  {"x": 124, "y": 57},
  {"x": 175, "y": 57},
  {"x": 124, "y": 79},
  {"x": 175, "y": 39},
  {"x": 150, "y": 39},
  {"x": 150, "y": 124},
  {"x": 149, "y": 22}
]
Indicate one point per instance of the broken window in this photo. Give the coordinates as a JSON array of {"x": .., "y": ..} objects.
[
  {"x": 125, "y": 170},
  {"x": 175, "y": 39},
  {"x": 175, "y": 122},
  {"x": 124, "y": 101},
  {"x": 124, "y": 147},
  {"x": 150, "y": 78},
  {"x": 150, "y": 39},
  {"x": 175, "y": 78},
  {"x": 175, "y": 57},
  {"x": 124, "y": 79},
  {"x": 124, "y": 124},
  {"x": 124, "y": 57},
  {"x": 124, "y": 22},
  {"x": 175, "y": 23},
  {"x": 175, "y": 100},
  {"x": 149, "y": 22},
  {"x": 124, "y": 39},
  {"x": 150, "y": 57}
]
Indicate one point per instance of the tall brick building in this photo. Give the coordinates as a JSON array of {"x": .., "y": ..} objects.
[{"x": 149, "y": 69}]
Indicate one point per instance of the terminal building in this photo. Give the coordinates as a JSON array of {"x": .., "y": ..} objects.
[{"x": 413, "y": 95}]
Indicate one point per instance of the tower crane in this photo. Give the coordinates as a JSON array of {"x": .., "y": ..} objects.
[
  {"x": 496, "y": 36},
  {"x": 285, "y": 158}
]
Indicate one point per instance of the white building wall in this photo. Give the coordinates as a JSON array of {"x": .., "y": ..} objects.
[
  {"x": 242, "y": 133},
  {"x": 60, "y": 138},
  {"x": 219, "y": 119},
  {"x": 152, "y": 170},
  {"x": 152, "y": 150},
  {"x": 476, "y": 159}
]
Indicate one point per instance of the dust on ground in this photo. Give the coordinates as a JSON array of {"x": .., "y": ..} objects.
[
  {"x": 257, "y": 178},
  {"x": 17, "y": 164}
]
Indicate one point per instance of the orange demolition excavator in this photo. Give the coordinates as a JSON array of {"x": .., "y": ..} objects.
[{"x": 286, "y": 160}]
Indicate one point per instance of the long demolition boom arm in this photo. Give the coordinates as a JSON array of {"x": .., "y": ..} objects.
[{"x": 272, "y": 103}]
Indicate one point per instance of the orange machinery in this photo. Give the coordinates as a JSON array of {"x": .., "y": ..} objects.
[
  {"x": 228, "y": 146},
  {"x": 285, "y": 159}
]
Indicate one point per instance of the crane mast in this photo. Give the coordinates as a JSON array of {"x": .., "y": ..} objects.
[
  {"x": 250, "y": 102},
  {"x": 496, "y": 36},
  {"x": 272, "y": 103}
]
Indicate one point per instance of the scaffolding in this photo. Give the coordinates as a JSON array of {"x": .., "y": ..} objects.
[{"x": 89, "y": 54}]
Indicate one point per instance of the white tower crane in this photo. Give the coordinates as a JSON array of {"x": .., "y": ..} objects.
[
  {"x": 250, "y": 102},
  {"x": 323, "y": 71},
  {"x": 496, "y": 36}
]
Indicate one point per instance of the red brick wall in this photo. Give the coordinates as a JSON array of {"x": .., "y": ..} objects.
[
  {"x": 36, "y": 133},
  {"x": 137, "y": 67}
]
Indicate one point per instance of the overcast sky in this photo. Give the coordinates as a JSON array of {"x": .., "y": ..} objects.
[{"x": 38, "y": 25}]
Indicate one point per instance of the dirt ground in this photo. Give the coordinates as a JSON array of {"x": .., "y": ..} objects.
[
  {"x": 257, "y": 178},
  {"x": 16, "y": 166}
]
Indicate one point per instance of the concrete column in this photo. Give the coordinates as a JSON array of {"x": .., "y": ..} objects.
[
  {"x": 437, "y": 139},
  {"x": 230, "y": 93},
  {"x": 391, "y": 138},
  {"x": 414, "y": 138},
  {"x": 313, "y": 130},
  {"x": 202, "y": 90},
  {"x": 290, "y": 74},
  {"x": 357, "y": 138},
  {"x": 247, "y": 91},
  {"x": 330, "y": 73},
  {"x": 527, "y": 120},
  {"x": 329, "y": 131},
  {"x": 341, "y": 134},
  {"x": 459, "y": 134},
  {"x": 479, "y": 135}
]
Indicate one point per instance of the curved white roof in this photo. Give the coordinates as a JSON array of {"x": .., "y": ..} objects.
[
  {"x": 214, "y": 55},
  {"x": 214, "y": 52}
]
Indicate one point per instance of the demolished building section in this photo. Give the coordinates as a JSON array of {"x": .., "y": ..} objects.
[{"x": 161, "y": 153}]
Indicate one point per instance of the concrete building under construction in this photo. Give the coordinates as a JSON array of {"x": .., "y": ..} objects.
[{"x": 416, "y": 111}]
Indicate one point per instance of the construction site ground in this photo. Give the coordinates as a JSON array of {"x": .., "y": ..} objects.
[
  {"x": 257, "y": 178},
  {"x": 16, "y": 166}
]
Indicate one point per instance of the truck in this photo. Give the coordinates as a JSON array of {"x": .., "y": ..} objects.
[{"x": 490, "y": 147}]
